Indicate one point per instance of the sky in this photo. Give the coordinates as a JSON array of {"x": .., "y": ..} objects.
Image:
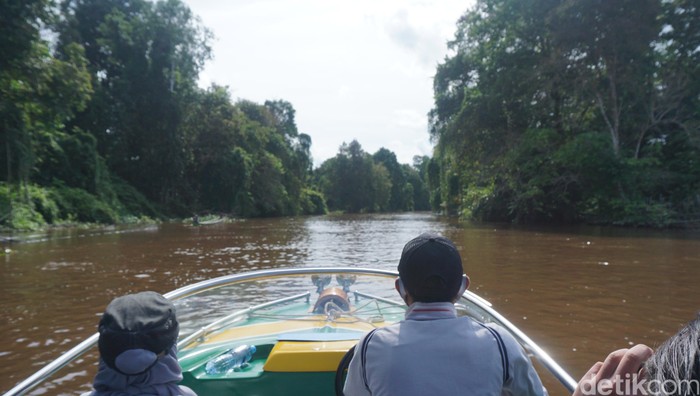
[{"x": 353, "y": 70}]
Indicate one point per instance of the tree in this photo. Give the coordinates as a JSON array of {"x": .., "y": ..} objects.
[
  {"x": 352, "y": 182},
  {"x": 110, "y": 111},
  {"x": 609, "y": 46},
  {"x": 220, "y": 168},
  {"x": 530, "y": 80},
  {"x": 19, "y": 43},
  {"x": 35, "y": 101},
  {"x": 399, "y": 199},
  {"x": 144, "y": 59}
]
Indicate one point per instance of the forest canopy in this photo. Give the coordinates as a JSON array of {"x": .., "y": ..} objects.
[
  {"x": 571, "y": 111},
  {"x": 544, "y": 111},
  {"x": 103, "y": 122}
]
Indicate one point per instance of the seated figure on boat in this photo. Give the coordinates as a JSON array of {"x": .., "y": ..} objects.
[
  {"x": 433, "y": 351},
  {"x": 138, "y": 348}
]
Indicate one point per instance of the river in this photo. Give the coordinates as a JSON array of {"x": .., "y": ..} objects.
[{"x": 578, "y": 292}]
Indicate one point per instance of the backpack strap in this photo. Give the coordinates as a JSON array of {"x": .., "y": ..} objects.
[
  {"x": 363, "y": 358},
  {"x": 501, "y": 350}
]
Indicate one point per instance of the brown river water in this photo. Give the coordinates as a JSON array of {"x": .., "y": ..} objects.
[{"x": 578, "y": 292}]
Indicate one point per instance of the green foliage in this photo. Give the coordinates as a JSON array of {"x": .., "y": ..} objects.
[
  {"x": 398, "y": 200},
  {"x": 26, "y": 218},
  {"x": 106, "y": 123},
  {"x": 35, "y": 207},
  {"x": 223, "y": 178},
  {"x": 380, "y": 188},
  {"x": 475, "y": 199},
  {"x": 355, "y": 182},
  {"x": 75, "y": 204},
  {"x": 247, "y": 158},
  {"x": 569, "y": 111},
  {"x": 35, "y": 101},
  {"x": 347, "y": 180},
  {"x": 639, "y": 213},
  {"x": 71, "y": 158},
  {"x": 415, "y": 188},
  {"x": 20, "y": 22},
  {"x": 21, "y": 214},
  {"x": 42, "y": 201},
  {"x": 313, "y": 202},
  {"x": 432, "y": 177},
  {"x": 129, "y": 202},
  {"x": 267, "y": 187},
  {"x": 144, "y": 58}
]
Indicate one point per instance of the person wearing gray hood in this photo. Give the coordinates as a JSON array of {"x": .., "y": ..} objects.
[{"x": 138, "y": 348}]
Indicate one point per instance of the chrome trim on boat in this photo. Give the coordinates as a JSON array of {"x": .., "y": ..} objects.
[
  {"x": 48, "y": 370},
  {"x": 189, "y": 290},
  {"x": 543, "y": 357},
  {"x": 373, "y": 297},
  {"x": 224, "y": 280},
  {"x": 75, "y": 352}
]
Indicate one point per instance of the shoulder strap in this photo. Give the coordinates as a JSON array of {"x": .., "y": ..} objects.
[
  {"x": 501, "y": 349},
  {"x": 363, "y": 358}
]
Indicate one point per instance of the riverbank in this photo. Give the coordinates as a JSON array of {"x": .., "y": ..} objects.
[
  {"x": 9, "y": 237},
  {"x": 31, "y": 208},
  {"x": 36, "y": 209}
]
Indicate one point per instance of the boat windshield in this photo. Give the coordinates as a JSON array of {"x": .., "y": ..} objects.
[{"x": 346, "y": 301}]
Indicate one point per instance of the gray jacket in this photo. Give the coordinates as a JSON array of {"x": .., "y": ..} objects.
[{"x": 433, "y": 352}]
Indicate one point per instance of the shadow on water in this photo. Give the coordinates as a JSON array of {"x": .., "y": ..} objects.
[{"x": 577, "y": 291}]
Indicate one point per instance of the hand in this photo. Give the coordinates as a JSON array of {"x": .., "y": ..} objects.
[{"x": 618, "y": 375}]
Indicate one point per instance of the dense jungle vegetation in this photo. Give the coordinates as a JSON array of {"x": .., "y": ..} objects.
[
  {"x": 545, "y": 111},
  {"x": 103, "y": 122},
  {"x": 570, "y": 111}
]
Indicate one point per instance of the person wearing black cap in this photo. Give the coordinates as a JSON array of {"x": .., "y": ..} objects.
[
  {"x": 138, "y": 348},
  {"x": 434, "y": 352}
]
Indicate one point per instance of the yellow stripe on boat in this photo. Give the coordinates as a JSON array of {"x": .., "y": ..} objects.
[
  {"x": 306, "y": 356},
  {"x": 258, "y": 330}
]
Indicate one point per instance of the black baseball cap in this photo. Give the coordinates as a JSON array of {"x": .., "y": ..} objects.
[
  {"x": 143, "y": 320},
  {"x": 431, "y": 268}
]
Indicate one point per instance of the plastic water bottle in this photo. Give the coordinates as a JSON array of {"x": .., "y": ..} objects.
[{"x": 231, "y": 360}]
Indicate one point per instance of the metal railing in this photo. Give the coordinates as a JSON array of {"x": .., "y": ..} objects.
[
  {"x": 200, "y": 287},
  {"x": 226, "y": 320},
  {"x": 543, "y": 357}
]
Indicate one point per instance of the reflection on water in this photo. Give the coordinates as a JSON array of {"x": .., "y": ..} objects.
[{"x": 579, "y": 293}]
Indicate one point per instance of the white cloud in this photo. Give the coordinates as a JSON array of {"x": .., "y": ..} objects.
[
  {"x": 352, "y": 70},
  {"x": 409, "y": 118}
]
